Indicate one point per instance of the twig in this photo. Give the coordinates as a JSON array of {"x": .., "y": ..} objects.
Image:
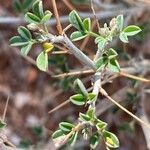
[
  {"x": 73, "y": 73},
  {"x": 133, "y": 77},
  {"x": 60, "y": 47},
  {"x": 59, "y": 106},
  {"x": 59, "y": 27},
  {"x": 144, "y": 65},
  {"x": 69, "y": 5},
  {"x": 103, "y": 92},
  {"x": 67, "y": 28},
  {"x": 95, "y": 17},
  {"x": 5, "y": 109},
  {"x": 60, "y": 52},
  {"x": 8, "y": 143},
  {"x": 5, "y": 141},
  {"x": 145, "y": 130},
  {"x": 103, "y": 105}
]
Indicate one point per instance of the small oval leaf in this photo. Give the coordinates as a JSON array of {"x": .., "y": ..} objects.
[
  {"x": 24, "y": 32},
  {"x": 132, "y": 30},
  {"x": 94, "y": 140},
  {"x": 78, "y": 99},
  {"x": 101, "y": 62},
  {"x": 114, "y": 65},
  {"x": 57, "y": 134},
  {"x": 18, "y": 41},
  {"x": 84, "y": 117},
  {"x": 47, "y": 16},
  {"x": 77, "y": 35},
  {"x": 79, "y": 86},
  {"x": 87, "y": 24},
  {"x": 120, "y": 22},
  {"x": 123, "y": 37},
  {"x": 38, "y": 9},
  {"x": 42, "y": 61},
  {"x": 25, "y": 49},
  {"x": 76, "y": 21},
  {"x": 73, "y": 139},
  {"x": 66, "y": 127},
  {"x": 111, "y": 139},
  {"x": 31, "y": 18}
]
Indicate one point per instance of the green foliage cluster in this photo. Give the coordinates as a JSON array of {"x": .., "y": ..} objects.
[
  {"x": 103, "y": 38},
  {"x": 87, "y": 120},
  {"x": 36, "y": 33},
  {"x": 25, "y": 41}
]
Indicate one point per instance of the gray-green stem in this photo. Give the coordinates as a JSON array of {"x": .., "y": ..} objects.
[{"x": 73, "y": 49}]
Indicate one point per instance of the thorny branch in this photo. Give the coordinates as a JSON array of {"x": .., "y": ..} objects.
[{"x": 63, "y": 39}]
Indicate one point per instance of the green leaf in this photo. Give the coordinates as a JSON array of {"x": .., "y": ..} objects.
[
  {"x": 25, "y": 49},
  {"x": 132, "y": 30},
  {"x": 80, "y": 87},
  {"x": 111, "y": 139},
  {"x": 31, "y": 18},
  {"x": 38, "y": 9},
  {"x": 58, "y": 137},
  {"x": 94, "y": 140},
  {"x": 2, "y": 124},
  {"x": 78, "y": 99},
  {"x": 77, "y": 35},
  {"x": 24, "y": 32},
  {"x": 123, "y": 37},
  {"x": 84, "y": 117},
  {"x": 73, "y": 139},
  {"x": 66, "y": 127},
  {"x": 42, "y": 61},
  {"x": 87, "y": 24},
  {"x": 101, "y": 125},
  {"x": 120, "y": 22},
  {"x": 114, "y": 65},
  {"x": 18, "y": 41},
  {"x": 112, "y": 53},
  {"x": 76, "y": 21},
  {"x": 46, "y": 16},
  {"x": 91, "y": 97},
  {"x": 91, "y": 112},
  {"x": 101, "y": 42},
  {"x": 57, "y": 134},
  {"x": 101, "y": 62}
]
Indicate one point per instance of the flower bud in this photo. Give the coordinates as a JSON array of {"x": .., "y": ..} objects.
[
  {"x": 113, "y": 23},
  {"x": 47, "y": 47},
  {"x": 32, "y": 27}
]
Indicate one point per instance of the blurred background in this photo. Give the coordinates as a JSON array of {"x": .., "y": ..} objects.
[{"x": 34, "y": 93}]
